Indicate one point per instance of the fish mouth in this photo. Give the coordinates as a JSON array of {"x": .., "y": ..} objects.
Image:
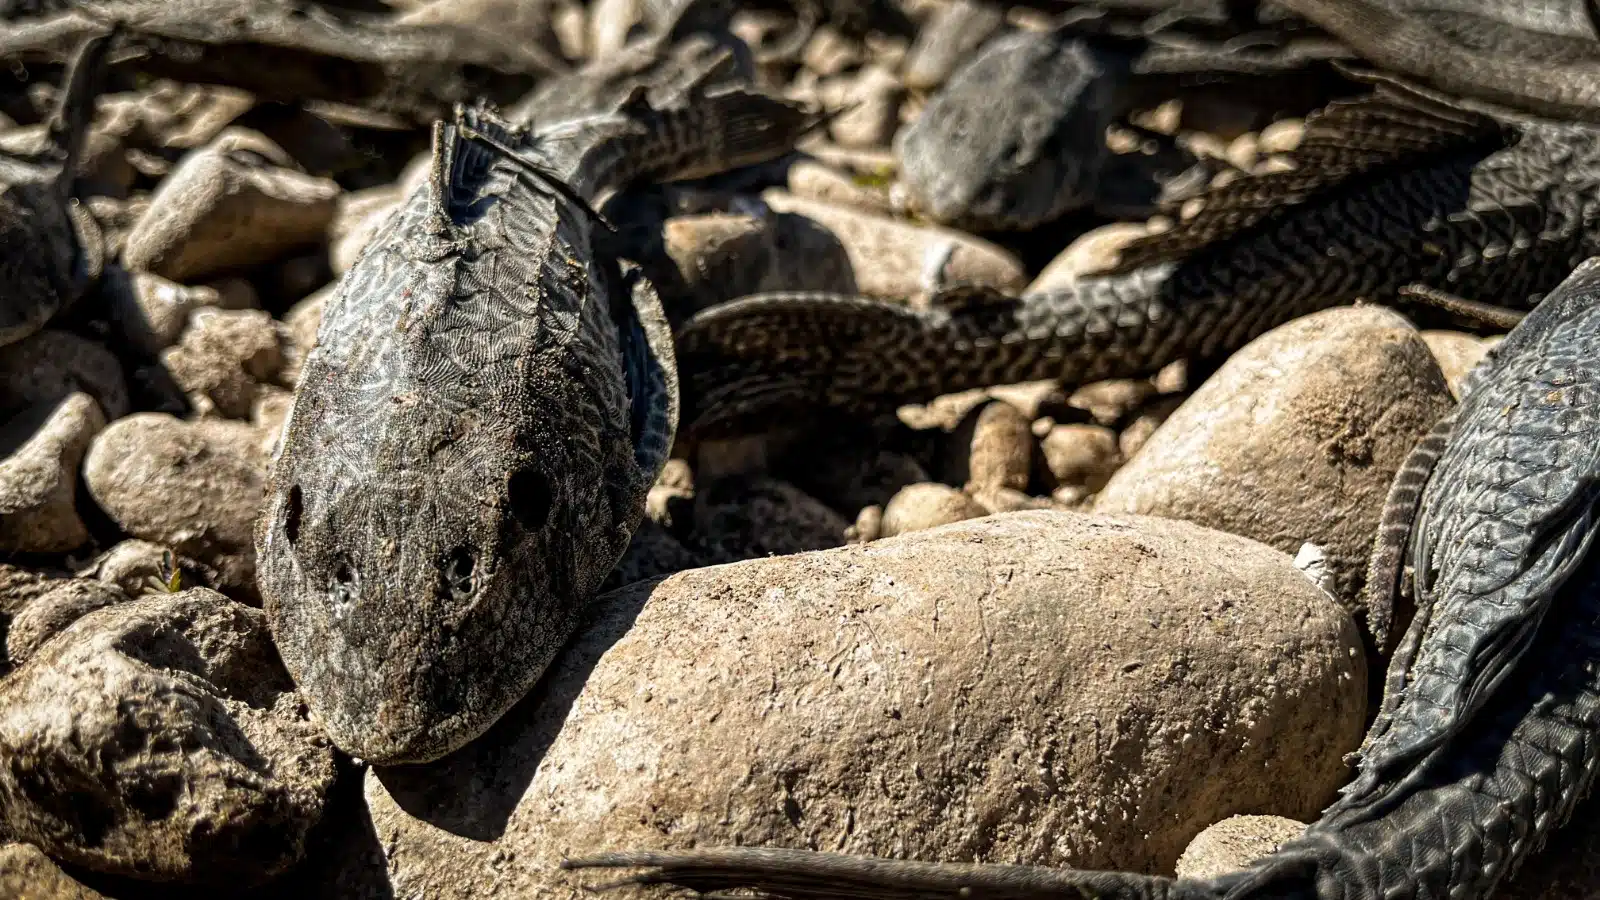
[
  {"x": 393, "y": 732},
  {"x": 415, "y": 699},
  {"x": 418, "y": 722}
]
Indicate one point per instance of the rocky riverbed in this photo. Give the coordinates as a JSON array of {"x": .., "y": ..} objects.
[{"x": 1114, "y": 625}]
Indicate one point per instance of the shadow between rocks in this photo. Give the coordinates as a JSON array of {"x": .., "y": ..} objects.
[{"x": 473, "y": 792}]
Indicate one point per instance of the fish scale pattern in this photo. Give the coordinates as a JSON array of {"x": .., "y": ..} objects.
[
  {"x": 490, "y": 398},
  {"x": 1508, "y": 514},
  {"x": 1502, "y": 219}
]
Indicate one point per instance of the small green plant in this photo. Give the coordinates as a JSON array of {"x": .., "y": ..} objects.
[
  {"x": 168, "y": 578},
  {"x": 880, "y": 179}
]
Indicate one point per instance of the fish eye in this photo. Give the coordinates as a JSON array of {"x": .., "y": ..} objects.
[
  {"x": 456, "y": 572},
  {"x": 530, "y": 496}
]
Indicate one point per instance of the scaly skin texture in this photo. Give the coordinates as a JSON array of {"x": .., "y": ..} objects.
[
  {"x": 1481, "y": 57},
  {"x": 472, "y": 439},
  {"x": 1392, "y": 190},
  {"x": 293, "y": 51},
  {"x": 1490, "y": 734},
  {"x": 1567, "y": 18},
  {"x": 51, "y": 252}
]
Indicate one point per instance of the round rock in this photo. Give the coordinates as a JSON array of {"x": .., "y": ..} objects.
[
  {"x": 1034, "y": 688},
  {"x": 1457, "y": 353},
  {"x": 1295, "y": 438},
  {"x": 67, "y": 601},
  {"x": 224, "y": 359},
  {"x": 232, "y": 204},
  {"x": 1235, "y": 843},
  {"x": 50, "y": 366},
  {"x": 917, "y": 507},
  {"x": 193, "y": 486},
  {"x": 721, "y": 257},
  {"x": 892, "y": 258},
  {"x": 187, "y": 754},
  {"x": 39, "y": 475}
]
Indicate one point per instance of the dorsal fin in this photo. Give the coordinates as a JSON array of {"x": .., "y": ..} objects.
[
  {"x": 1343, "y": 141},
  {"x": 462, "y": 160}
]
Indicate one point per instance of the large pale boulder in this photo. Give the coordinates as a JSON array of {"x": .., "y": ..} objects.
[
  {"x": 1295, "y": 439},
  {"x": 1039, "y": 687}
]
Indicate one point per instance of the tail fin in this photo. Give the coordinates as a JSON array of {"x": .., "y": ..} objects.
[{"x": 810, "y": 875}]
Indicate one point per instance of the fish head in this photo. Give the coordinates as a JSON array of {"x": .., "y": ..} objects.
[{"x": 437, "y": 521}]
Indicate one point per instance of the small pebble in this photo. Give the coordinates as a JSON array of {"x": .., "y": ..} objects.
[
  {"x": 1081, "y": 455},
  {"x": 921, "y": 506},
  {"x": 39, "y": 475},
  {"x": 225, "y": 358}
]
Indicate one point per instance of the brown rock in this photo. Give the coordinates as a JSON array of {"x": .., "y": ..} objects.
[
  {"x": 1137, "y": 434},
  {"x": 1093, "y": 251},
  {"x": 919, "y": 507},
  {"x": 1004, "y": 500},
  {"x": 67, "y": 601},
  {"x": 1032, "y": 688},
  {"x": 49, "y": 367},
  {"x": 193, "y": 486},
  {"x": 721, "y": 257},
  {"x": 891, "y": 258},
  {"x": 188, "y": 756},
  {"x": 611, "y": 23},
  {"x": 868, "y": 526},
  {"x": 234, "y": 292},
  {"x": 999, "y": 449},
  {"x": 525, "y": 22},
  {"x": 946, "y": 412},
  {"x": 1282, "y": 136},
  {"x": 360, "y": 214},
  {"x": 1235, "y": 843},
  {"x": 1032, "y": 398},
  {"x": 27, "y": 874},
  {"x": 269, "y": 415},
  {"x": 39, "y": 475},
  {"x": 301, "y": 323},
  {"x": 152, "y": 311},
  {"x": 137, "y": 567},
  {"x": 1296, "y": 438},
  {"x": 1111, "y": 402},
  {"x": 1082, "y": 456},
  {"x": 225, "y": 358},
  {"x": 814, "y": 181},
  {"x": 950, "y": 36},
  {"x": 570, "y": 22},
  {"x": 745, "y": 518},
  {"x": 232, "y": 204},
  {"x": 830, "y": 52},
  {"x": 871, "y": 103},
  {"x": 1457, "y": 353}
]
